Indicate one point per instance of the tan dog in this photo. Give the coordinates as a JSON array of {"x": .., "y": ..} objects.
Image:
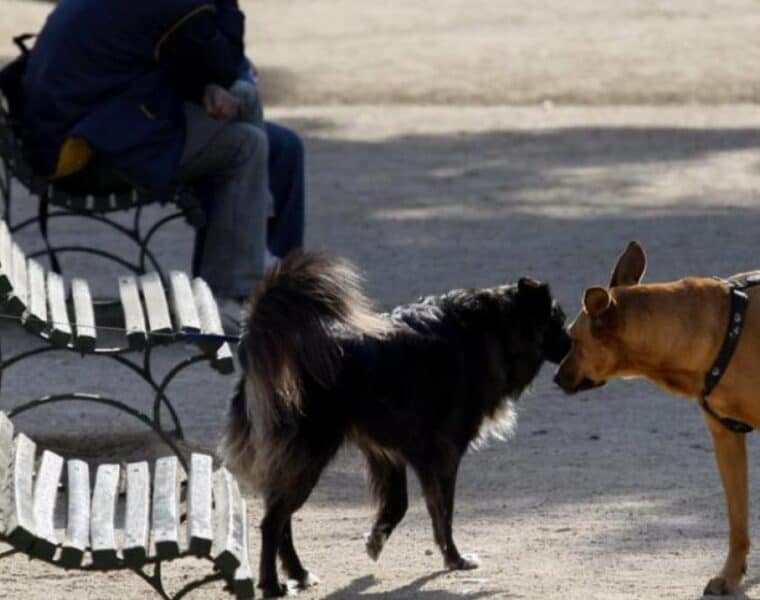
[{"x": 671, "y": 333}]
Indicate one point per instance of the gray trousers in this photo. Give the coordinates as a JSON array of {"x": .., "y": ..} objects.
[{"x": 231, "y": 157}]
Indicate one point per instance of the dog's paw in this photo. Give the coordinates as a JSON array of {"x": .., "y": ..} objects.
[
  {"x": 374, "y": 543},
  {"x": 273, "y": 590},
  {"x": 466, "y": 562},
  {"x": 721, "y": 586},
  {"x": 307, "y": 580}
]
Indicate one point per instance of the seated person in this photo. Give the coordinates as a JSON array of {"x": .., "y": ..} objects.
[
  {"x": 285, "y": 229},
  {"x": 151, "y": 90}
]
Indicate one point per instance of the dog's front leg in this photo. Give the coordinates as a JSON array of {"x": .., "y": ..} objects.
[{"x": 731, "y": 454}]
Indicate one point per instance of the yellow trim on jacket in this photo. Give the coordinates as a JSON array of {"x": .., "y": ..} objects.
[
  {"x": 178, "y": 24},
  {"x": 73, "y": 157}
]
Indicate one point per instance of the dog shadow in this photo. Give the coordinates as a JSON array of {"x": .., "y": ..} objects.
[{"x": 359, "y": 587}]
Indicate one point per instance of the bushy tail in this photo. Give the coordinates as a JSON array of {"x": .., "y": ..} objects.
[{"x": 288, "y": 338}]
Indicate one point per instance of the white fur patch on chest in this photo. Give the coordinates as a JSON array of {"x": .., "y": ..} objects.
[{"x": 498, "y": 427}]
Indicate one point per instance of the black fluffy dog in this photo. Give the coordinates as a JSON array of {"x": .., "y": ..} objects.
[{"x": 414, "y": 387}]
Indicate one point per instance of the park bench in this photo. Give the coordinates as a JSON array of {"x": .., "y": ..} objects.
[
  {"x": 64, "y": 317},
  {"x": 101, "y": 202},
  {"x": 151, "y": 318},
  {"x": 153, "y": 532}
]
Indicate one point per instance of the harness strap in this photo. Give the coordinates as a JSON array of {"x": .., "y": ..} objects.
[{"x": 739, "y": 302}]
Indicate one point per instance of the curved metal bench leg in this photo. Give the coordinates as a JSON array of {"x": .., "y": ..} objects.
[
  {"x": 56, "y": 250},
  {"x": 145, "y": 252},
  {"x": 78, "y": 396},
  {"x": 161, "y": 397},
  {"x": 43, "y": 212},
  {"x": 144, "y": 373},
  {"x": 5, "y": 192},
  {"x": 145, "y": 255}
]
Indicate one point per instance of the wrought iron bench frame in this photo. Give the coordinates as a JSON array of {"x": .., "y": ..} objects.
[
  {"x": 215, "y": 515},
  {"x": 151, "y": 317}
]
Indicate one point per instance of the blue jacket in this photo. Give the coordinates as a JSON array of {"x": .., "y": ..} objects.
[{"x": 97, "y": 73}]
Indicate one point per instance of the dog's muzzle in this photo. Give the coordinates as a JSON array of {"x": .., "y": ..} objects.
[{"x": 582, "y": 386}]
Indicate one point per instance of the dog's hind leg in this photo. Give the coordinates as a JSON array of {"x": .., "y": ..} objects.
[
  {"x": 291, "y": 563},
  {"x": 276, "y": 531},
  {"x": 272, "y": 529},
  {"x": 438, "y": 480},
  {"x": 731, "y": 454},
  {"x": 388, "y": 487}
]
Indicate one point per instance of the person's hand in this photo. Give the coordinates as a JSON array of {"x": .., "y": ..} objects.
[{"x": 219, "y": 103}]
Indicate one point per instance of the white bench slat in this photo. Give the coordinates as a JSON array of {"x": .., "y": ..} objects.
[
  {"x": 60, "y": 328},
  {"x": 20, "y": 527},
  {"x": 183, "y": 302},
  {"x": 102, "y": 535},
  {"x": 6, "y": 458},
  {"x": 134, "y": 319},
  {"x": 166, "y": 507},
  {"x": 200, "y": 523},
  {"x": 211, "y": 322},
  {"x": 243, "y": 583},
  {"x": 84, "y": 314},
  {"x": 35, "y": 318},
  {"x": 45, "y": 496},
  {"x": 208, "y": 312},
  {"x": 223, "y": 361},
  {"x": 159, "y": 320},
  {"x": 227, "y": 548},
  {"x": 19, "y": 297},
  {"x": 6, "y": 259},
  {"x": 78, "y": 516},
  {"x": 137, "y": 522}
]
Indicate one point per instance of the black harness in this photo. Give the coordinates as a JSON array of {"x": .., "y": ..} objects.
[{"x": 739, "y": 302}]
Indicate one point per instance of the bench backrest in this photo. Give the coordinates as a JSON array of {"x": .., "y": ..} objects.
[{"x": 39, "y": 300}]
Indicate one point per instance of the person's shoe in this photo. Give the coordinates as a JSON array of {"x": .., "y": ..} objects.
[{"x": 231, "y": 313}]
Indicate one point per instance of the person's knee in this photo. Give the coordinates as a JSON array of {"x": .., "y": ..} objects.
[{"x": 253, "y": 144}]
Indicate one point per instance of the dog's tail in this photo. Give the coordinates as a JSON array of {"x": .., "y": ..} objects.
[{"x": 289, "y": 336}]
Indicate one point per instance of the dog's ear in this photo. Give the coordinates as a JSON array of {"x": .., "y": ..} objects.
[
  {"x": 528, "y": 285},
  {"x": 535, "y": 295},
  {"x": 596, "y": 301},
  {"x": 630, "y": 266}
]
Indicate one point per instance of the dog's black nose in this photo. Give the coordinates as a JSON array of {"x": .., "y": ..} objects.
[{"x": 563, "y": 384}]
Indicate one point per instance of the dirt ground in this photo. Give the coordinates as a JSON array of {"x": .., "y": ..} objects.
[{"x": 608, "y": 496}]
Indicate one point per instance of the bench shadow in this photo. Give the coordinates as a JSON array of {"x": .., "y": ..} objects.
[{"x": 361, "y": 586}]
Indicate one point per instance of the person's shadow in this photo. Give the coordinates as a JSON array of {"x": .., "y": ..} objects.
[{"x": 359, "y": 587}]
